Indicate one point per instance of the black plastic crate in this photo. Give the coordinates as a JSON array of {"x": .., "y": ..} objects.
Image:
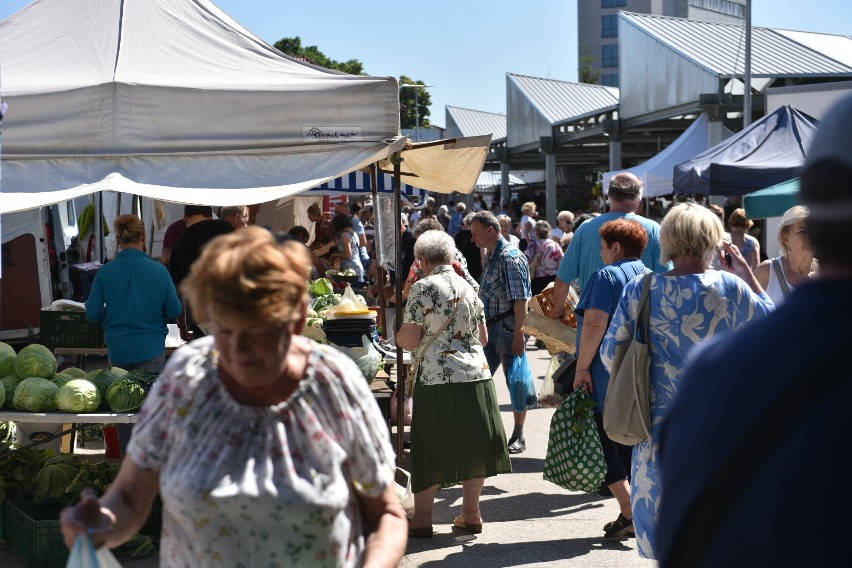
[{"x": 69, "y": 329}]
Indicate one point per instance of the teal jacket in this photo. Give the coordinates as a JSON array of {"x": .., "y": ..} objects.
[{"x": 133, "y": 296}]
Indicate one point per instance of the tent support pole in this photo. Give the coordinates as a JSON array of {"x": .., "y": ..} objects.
[
  {"x": 380, "y": 270},
  {"x": 401, "y": 370}
]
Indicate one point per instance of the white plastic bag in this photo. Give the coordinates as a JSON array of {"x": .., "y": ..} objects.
[
  {"x": 404, "y": 493},
  {"x": 547, "y": 395},
  {"x": 367, "y": 357},
  {"x": 350, "y": 303},
  {"x": 84, "y": 555}
]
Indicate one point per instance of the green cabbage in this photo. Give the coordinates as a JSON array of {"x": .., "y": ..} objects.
[
  {"x": 55, "y": 477},
  {"x": 35, "y": 394},
  {"x": 125, "y": 396},
  {"x": 320, "y": 287},
  {"x": 10, "y": 382},
  {"x": 7, "y": 359},
  {"x": 60, "y": 379},
  {"x": 103, "y": 378},
  {"x": 74, "y": 372},
  {"x": 35, "y": 361},
  {"x": 78, "y": 396}
]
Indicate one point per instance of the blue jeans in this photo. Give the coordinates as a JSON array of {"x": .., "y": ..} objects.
[{"x": 499, "y": 347}]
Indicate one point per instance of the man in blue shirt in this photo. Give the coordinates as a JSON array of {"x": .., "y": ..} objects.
[
  {"x": 583, "y": 256},
  {"x": 504, "y": 290}
]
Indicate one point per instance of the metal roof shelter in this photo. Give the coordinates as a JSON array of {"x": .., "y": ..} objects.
[{"x": 469, "y": 122}]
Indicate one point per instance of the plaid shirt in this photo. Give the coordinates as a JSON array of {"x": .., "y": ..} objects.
[{"x": 505, "y": 278}]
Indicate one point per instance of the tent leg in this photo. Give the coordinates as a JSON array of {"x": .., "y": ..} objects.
[
  {"x": 401, "y": 370},
  {"x": 380, "y": 270}
]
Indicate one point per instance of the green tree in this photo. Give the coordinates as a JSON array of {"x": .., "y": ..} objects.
[
  {"x": 408, "y": 96},
  {"x": 293, "y": 46},
  {"x": 588, "y": 73}
]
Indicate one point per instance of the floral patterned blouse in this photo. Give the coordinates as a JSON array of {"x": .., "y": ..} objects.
[
  {"x": 263, "y": 486},
  {"x": 456, "y": 356},
  {"x": 549, "y": 256}
]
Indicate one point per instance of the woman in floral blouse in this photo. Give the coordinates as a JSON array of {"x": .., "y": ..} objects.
[
  {"x": 544, "y": 255},
  {"x": 267, "y": 449},
  {"x": 456, "y": 434}
]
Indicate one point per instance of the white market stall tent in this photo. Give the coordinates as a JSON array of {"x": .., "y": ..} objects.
[
  {"x": 656, "y": 173},
  {"x": 175, "y": 100}
]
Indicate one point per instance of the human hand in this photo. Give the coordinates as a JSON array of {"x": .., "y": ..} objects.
[
  {"x": 733, "y": 261},
  {"x": 185, "y": 334},
  {"x": 519, "y": 344},
  {"x": 87, "y": 517},
  {"x": 583, "y": 380}
]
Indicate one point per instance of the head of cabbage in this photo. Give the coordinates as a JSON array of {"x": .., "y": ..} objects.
[
  {"x": 35, "y": 394},
  {"x": 78, "y": 396},
  {"x": 125, "y": 396},
  {"x": 54, "y": 478}
]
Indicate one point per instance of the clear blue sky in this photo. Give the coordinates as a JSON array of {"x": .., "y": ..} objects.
[{"x": 465, "y": 47}]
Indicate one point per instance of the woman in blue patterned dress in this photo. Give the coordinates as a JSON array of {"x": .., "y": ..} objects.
[
  {"x": 688, "y": 305},
  {"x": 348, "y": 251}
]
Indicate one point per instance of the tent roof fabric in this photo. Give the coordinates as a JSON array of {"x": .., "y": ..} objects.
[
  {"x": 560, "y": 101},
  {"x": 471, "y": 122},
  {"x": 771, "y": 150},
  {"x": 719, "y": 48},
  {"x": 360, "y": 182},
  {"x": 490, "y": 179},
  {"x": 206, "y": 109},
  {"x": 772, "y": 201},
  {"x": 656, "y": 173}
]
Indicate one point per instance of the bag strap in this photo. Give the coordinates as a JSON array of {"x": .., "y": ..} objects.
[
  {"x": 782, "y": 280},
  {"x": 412, "y": 370},
  {"x": 714, "y": 503}
]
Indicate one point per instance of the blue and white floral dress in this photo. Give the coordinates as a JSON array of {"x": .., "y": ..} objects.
[{"x": 685, "y": 310}]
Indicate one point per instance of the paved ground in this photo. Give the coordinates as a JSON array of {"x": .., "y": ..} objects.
[{"x": 527, "y": 521}]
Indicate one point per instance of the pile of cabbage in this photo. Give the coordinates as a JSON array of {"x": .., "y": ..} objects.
[{"x": 29, "y": 382}]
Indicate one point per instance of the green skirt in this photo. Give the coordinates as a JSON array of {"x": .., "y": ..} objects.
[{"x": 456, "y": 434}]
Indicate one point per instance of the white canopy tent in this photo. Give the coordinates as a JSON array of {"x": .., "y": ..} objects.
[
  {"x": 656, "y": 174},
  {"x": 173, "y": 99}
]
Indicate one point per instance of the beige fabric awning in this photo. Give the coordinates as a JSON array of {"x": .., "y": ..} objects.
[{"x": 443, "y": 166}]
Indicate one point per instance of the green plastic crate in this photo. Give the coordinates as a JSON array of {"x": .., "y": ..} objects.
[
  {"x": 34, "y": 536},
  {"x": 69, "y": 329}
]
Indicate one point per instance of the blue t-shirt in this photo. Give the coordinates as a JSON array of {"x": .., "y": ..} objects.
[
  {"x": 583, "y": 256},
  {"x": 134, "y": 296},
  {"x": 602, "y": 292},
  {"x": 728, "y": 386}
]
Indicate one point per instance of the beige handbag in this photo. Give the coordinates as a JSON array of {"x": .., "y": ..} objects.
[{"x": 627, "y": 408}]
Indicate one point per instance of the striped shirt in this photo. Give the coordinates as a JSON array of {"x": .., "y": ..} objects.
[{"x": 505, "y": 278}]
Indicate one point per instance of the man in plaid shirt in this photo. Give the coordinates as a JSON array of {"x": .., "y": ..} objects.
[{"x": 504, "y": 291}]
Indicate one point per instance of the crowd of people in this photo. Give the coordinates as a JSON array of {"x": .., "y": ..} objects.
[{"x": 288, "y": 435}]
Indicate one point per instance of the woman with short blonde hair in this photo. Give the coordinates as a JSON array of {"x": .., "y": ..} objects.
[
  {"x": 687, "y": 305},
  {"x": 795, "y": 263},
  {"x": 526, "y": 227}
]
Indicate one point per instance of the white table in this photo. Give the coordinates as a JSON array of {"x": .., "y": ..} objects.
[{"x": 67, "y": 418}]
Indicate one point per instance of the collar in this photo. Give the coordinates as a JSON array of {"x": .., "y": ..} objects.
[{"x": 442, "y": 268}]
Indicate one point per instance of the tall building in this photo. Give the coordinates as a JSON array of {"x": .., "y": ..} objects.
[{"x": 597, "y": 28}]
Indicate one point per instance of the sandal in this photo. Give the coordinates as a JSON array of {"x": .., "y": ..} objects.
[
  {"x": 621, "y": 527},
  {"x": 473, "y": 528}
]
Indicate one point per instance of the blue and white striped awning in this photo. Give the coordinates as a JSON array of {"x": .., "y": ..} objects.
[{"x": 360, "y": 182}]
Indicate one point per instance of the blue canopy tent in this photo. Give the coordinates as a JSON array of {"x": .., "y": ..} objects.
[
  {"x": 359, "y": 183},
  {"x": 768, "y": 152},
  {"x": 772, "y": 201}
]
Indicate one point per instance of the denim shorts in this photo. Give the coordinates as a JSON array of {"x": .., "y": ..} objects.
[{"x": 498, "y": 350}]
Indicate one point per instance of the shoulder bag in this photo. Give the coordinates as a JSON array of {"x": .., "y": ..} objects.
[{"x": 627, "y": 408}]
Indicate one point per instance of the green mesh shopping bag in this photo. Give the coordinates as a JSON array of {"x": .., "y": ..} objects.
[{"x": 575, "y": 459}]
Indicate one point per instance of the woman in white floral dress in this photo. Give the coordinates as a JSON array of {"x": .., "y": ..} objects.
[
  {"x": 457, "y": 433},
  {"x": 267, "y": 449},
  {"x": 688, "y": 305}
]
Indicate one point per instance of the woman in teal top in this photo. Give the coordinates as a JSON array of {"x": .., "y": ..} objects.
[{"x": 133, "y": 296}]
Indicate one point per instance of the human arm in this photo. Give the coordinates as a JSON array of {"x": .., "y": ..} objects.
[
  {"x": 560, "y": 294},
  {"x": 738, "y": 266},
  {"x": 595, "y": 323},
  {"x": 95, "y": 301},
  {"x": 761, "y": 273},
  {"x": 119, "y": 514},
  {"x": 483, "y": 334},
  {"x": 387, "y": 529},
  {"x": 519, "y": 341},
  {"x": 408, "y": 336},
  {"x": 755, "y": 254},
  {"x": 166, "y": 256}
]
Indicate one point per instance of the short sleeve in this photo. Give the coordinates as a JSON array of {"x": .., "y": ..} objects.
[
  {"x": 480, "y": 312},
  {"x": 370, "y": 460},
  {"x": 598, "y": 294},
  {"x": 416, "y": 304}
]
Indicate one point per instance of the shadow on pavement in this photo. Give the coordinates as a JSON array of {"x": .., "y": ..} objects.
[{"x": 493, "y": 555}]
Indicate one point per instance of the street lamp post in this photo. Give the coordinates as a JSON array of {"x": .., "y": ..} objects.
[{"x": 416, "y": 106}]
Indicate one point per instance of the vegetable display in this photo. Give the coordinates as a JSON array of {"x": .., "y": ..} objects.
[
  {"x": 10, "y": 382},
  {"x": 125, "y": 396},
  {"x": 103, "y": 378}
]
